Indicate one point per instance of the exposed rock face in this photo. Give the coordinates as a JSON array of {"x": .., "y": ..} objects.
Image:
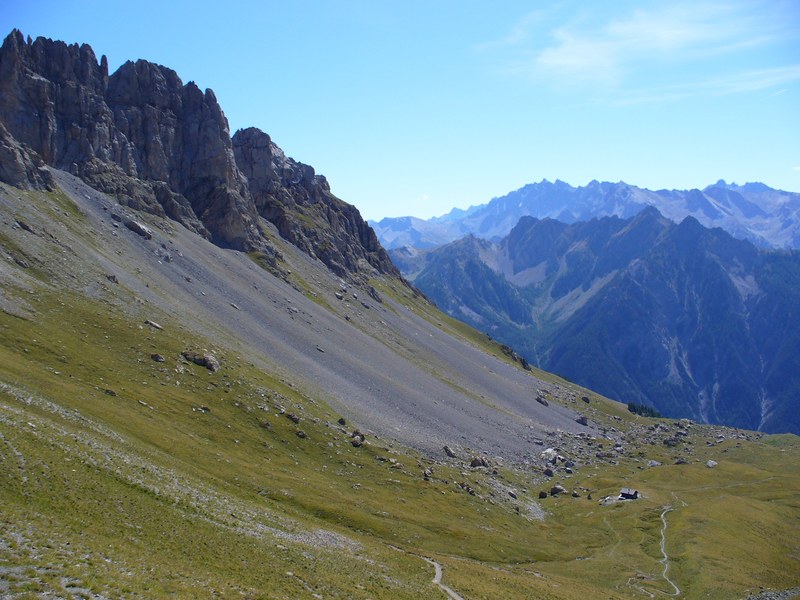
[
  {"x": 300, "y": 204},
  {"x": 161, "y": 146},
  {"x": 20, "y": 166},
  {"x": 140, "y": 134}
]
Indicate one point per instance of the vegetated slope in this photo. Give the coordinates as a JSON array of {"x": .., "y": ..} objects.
[
  {"x": 754, "y": 211},
  {"x": 315, "y": 450},
  {"x": 181, "y": 418},
  {"x": 679, "y": 317}
]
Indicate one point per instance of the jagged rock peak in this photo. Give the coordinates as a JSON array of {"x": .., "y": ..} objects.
[
  {"x": 163, "y": 146},
  {"x": 300, "y": 204}
]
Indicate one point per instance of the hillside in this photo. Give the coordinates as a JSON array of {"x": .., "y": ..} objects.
[
  {"x": 755, "y": 212},
  {"x": 679, "y": 317},
  {"x": 212, "y": 384}
]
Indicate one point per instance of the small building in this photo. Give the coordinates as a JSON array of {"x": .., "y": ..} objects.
[{"x": 628, "y": 494}]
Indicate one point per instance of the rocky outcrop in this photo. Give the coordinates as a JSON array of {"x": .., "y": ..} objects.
[
  {"x": 20, "y": 166},
  {"x": 139, "y": 134},
  {"x": 162, "y": 146},
  {"x": 300, "y": 204}
]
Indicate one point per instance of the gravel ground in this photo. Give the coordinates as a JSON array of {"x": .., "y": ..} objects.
[{"x": 387, "y": 370}]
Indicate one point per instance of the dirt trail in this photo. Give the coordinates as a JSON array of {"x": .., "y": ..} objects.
[
  {"x": 437, "y": 574},
  {"x": 437, "y": 579},
  {"x": 665, "y": 560}
]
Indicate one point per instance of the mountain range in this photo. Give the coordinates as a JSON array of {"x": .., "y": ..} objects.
[
  {"x": 769, "y": 218},
  {"x": 215, "y": 384},
  {"x": 679, "y": 317}
]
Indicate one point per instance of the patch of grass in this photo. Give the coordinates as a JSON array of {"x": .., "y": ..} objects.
[{"x": 128, "y": 476}]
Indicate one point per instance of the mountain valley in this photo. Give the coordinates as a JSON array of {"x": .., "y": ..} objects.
[
  {"x": 215, "y": 383},
  {"x": 682, "y": 318}
]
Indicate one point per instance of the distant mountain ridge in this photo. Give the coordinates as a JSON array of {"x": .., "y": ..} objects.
[
  {"x": 769, "y": 218},
  {"x": 677, "y": 316}
]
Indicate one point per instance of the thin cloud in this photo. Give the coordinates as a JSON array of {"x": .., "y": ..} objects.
[
  {"x": 519, "y": 34},
  {"x": 724, "y": 85},
  {"x": 619, "y": 53}
]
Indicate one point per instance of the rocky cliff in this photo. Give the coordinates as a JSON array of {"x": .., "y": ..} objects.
[
  {"x": 162, "y": 146},
  {"x": 299, "y": 203}
]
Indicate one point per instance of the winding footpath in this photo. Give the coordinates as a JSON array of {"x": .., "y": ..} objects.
[
  {"x": 437, "y": 573},
  {"x": 437, "y": 579},
  {"x": 665, "y": 560}
]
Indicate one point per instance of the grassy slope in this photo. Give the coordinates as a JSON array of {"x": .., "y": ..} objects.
[{"x": 113, "y": 482}]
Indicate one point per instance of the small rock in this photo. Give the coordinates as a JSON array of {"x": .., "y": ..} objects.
[
  {"x": 711, "y": 464},
  {"x": 542, "y": 494},
  {"x": 449, "y": 452},
  {"x": 23, "y": 225},
  {"x": 153, "y": 324},
  {"x": 293, "y": 417},
  {"x": 582, "y": 420},
  {"x": 548, "y": 472},
  {"x": 358, "y": 438},
  {"x": 301, "y": 434},
  {"x": 157, "y": 357},
  {"x": 478, "y": 461},
  {"x": 557, "y": 489},
  {"x": 209, "y": 361},
  {"x": 139, "y": 229},
  {"x": 341, "y": 421}
]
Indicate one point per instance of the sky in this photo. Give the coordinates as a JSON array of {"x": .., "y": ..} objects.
[{"x": 414, "y": 107}]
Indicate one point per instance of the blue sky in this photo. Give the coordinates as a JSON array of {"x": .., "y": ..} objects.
[{"x": 412, "y": 107}]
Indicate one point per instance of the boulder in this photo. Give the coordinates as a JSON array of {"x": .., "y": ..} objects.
[
  {"x": 139, "y": 229},
  {"x": 357, "y": 439},
  {"x": 478, "y": 461},
  {"x": 209, "y": 361}
]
